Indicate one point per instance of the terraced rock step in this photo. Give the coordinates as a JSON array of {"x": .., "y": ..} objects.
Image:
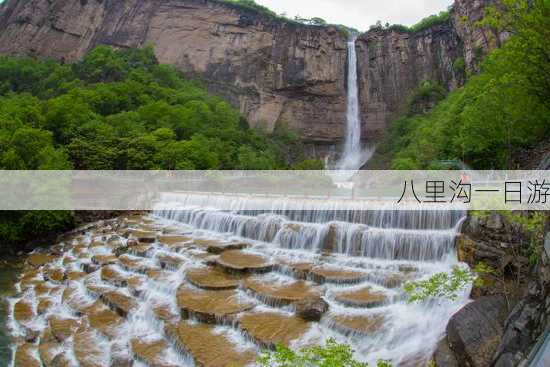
[
  {"x": 209, "y": 348},
  {"x": 24, "y": 311},
  {"x": 56, "y": 275},
  {"x": 278, "y": 295},
  {"x": 36, "y": 260},
  {"x": 63, "y": 328},
  {"x": 364, "y": 297},
  {"x": 103, "y": 260},
  {"x": 144, "y": 236},
  {"x": 298, "y": 270},
  {"x": 330, "y": 274},
  {"x": 152, "y": 352},
  {"x": 210, "y": 306},
  {"x": 357, "y": 325},
  {"x": 135, "y": 264},
  {"x": 122, "y": 282},
  {"x": 217, "y": 247},
  {"x": 111, "y": 275},
  {"x": 271, "y": 329},
  {"x": 48, "y": 350},
  {"x": 170, "y": 261},
  {"x": 88, "y": 351},
  {"x": 121, "y": 303},
  {"x": 212, "y": 279},
  {"x": 26, "y": 355},
  {"x": 241, "y": 261},
  {"x": 103, "y": 319},
  {"x": 174, "y": 239}
]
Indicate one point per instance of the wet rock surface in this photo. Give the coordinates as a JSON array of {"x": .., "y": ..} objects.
[
  {"x": 212, "y": 279},
  {"x": 241, "y": 261},
  {"x": 211, "y": 306},
  {"x": 109, "y": 300},
  {"x": 364, "y": 297},
  {"x": 272, "y": 329}
]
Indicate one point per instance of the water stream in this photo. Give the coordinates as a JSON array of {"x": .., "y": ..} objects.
[{"x": 354, "y": 156}]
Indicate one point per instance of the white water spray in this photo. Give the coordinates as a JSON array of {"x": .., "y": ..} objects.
[{"x": 353, "y": 156}]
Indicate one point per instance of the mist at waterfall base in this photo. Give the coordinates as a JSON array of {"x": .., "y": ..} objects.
[
  {"x": 354, "y": 156},
  {"x": 380, "y": 243}
]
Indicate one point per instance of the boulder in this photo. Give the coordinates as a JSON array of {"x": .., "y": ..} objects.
[
  {"x": 311, "y": 309},
  {"x": 475, "y": 332}
]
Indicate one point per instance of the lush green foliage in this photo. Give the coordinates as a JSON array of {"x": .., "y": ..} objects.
[
  {"x": 532, "y": 224},
  {"x": 315, "y": 21},
  {"x": 331, "y": 355},
  {"x": 119, "y": 110},
  {"x": 428, "y": 22},
  {"x": 504, "y": 108},
  {"x": 440, "y": 285}
]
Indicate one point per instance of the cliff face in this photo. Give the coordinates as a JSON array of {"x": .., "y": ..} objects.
[
  {"x": 392, "y": 64},
  {"x": 275, "y": 72}
]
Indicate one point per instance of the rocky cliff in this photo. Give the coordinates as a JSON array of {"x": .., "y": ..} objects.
[{"x": 276, "y": 72}]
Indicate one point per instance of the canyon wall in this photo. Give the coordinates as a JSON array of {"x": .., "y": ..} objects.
[{"x": 275, "y": 72}]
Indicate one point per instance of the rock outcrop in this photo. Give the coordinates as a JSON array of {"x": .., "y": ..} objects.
[
  {"x": 278, "y": 73},
  {"x": 512, "y": 308}
]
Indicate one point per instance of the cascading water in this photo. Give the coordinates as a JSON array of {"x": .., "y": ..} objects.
[{"x": 353, "y": 156}]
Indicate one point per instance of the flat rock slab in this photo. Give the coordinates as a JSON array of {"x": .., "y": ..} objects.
[
  {"x": 121, "y": 303},
  {"x": 208, "y": 348},
  {"x": 159, "y": 275},
  {"x": 165, "y": 313},
  {"x": 111, "y": 275},
  {"x": 217, "y": 247},
  {"x": 299, "y": 270},
  {"x": 56, "y": 275},
  {"x": 145, "y": 236},
  {"x": 131, "y": 263},
  {"x": 48, "y": 350},
  {"x": 137, "y": 284},
  {"x": 170, "y": 261},
  {"x": 26, "y": 356},
  {"x": 364, "y": 297},
  {"x": 76, "y": 275},
  {"x": 103, "y": 319},
  {"x": 63, "y": 328},
  {"x": 241, "y": 261},
  {"x": 23, "y": 311},
  {"x": 44, "y": 305},
  {"x": 329, "y": 274},
  {"x": 212, "y": 279},
  {"x": 103, "y": 260},
  {"x": 174, "y": 239},
  {"x": 88, "y": 352},
  {"x": 278, "y": 295},
  {"x": 357, "y": 325},
  {"x": 37, "y": 260},
  {"x": 272, "y": 329},
  {"x": 210, "y": 306},
  {"x": 152, "y": 352},
  {"x": 141, "y": 249}
]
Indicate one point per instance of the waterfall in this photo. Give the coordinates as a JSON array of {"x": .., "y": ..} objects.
[{"x": 353, "y": 156}]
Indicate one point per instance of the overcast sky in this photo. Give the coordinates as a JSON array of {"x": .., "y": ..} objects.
[{"x": 359, "y": 14}]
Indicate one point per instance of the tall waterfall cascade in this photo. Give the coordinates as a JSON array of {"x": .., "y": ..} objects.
[{"x": 354, "y": 156}]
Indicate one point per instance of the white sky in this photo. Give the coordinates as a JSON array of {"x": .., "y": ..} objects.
[{"x": 359, "y": 14}]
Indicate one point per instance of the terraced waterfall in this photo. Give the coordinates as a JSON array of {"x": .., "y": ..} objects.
[{"x": 189, "y": 286}]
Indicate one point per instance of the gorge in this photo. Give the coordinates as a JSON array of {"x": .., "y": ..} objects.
[{"x": 279, "y": 74}]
